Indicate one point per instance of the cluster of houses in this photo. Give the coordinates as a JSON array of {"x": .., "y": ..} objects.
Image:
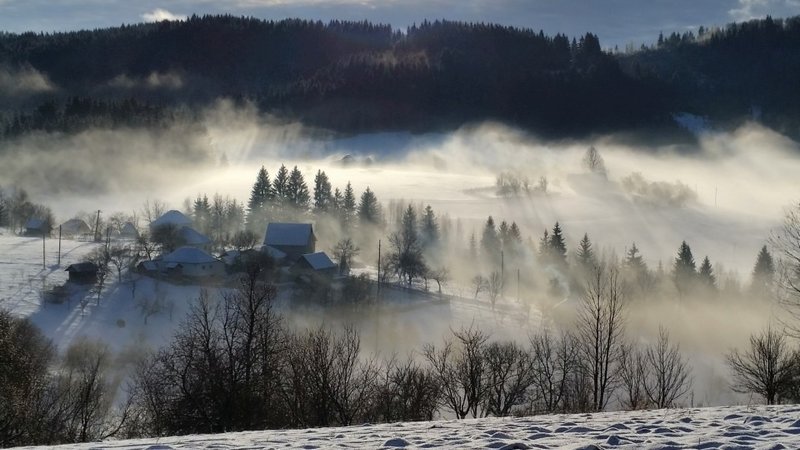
[
  {"x": 76, "y": 229},
  {"x": 291, "y": 245}
]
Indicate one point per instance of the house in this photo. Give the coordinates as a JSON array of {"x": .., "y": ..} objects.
[
  {"x": 188, "y": 236},
  {"x": 293, "y": 239},
  {"x": 128, "y": 231},
  {"x": 191, "y": 262},
  {"x": 82, "y": 273},
  {"x": 36, "y": 227},
  {"x": 318, "y": 263},
  {"x": 75, "y": 228},
  {"x": 173, "y": 218}
]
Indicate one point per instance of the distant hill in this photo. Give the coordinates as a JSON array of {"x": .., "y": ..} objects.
[{"x": 358, "y": 76}]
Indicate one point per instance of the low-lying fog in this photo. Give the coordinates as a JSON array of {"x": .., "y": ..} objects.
[{"x": 722, "y": 197}]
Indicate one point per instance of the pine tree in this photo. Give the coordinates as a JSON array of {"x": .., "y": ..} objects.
[
  {"x": 258, "y": 204},
  {"x": 202, "y": 213},
  {"x": 558, "y": 249},
  {"x": 683, "y": 270},
  {"x": 473, "y": 247},
  {"x": 634, "y": 260},
  {"x": 514, "y": 246},
  {"x": 297, "y": 195},
  {"x": 585, "y": 254},
  {"x": 706, "y": 275},
  {"x": 348, "y": 210},
  {"x": 503, "y": 235},
  {"x": 429, "y": 229},
  {"x": 369, "y": 211},
  {"x": 323, "y": 198},
  {"x": 280, "y": 188},
  {"x": 763, "y": 272},
  {"x": 490, "y": 242},
  {"x": 544, "y": 246}
]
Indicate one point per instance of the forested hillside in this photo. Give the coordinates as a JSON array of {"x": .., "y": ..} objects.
[{"x": 358, "y": 76}]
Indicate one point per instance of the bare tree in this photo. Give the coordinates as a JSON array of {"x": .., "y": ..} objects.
[
  {"x": 480, "y": 284},
  {"x": 441, "y": 276},
  {"x": 667, "y": 378},
  {"x": 600, "y": 330},
  {"x": 786, "y": 242},
  {"x": 554, "y": 359},
  {"x": 633, "y": 373},
  {"x": 121, "y": 257},
  {"x": 344, "y": 252},
  {"x": 593, "y": 162},
  {"x": 495, "y": 287},
  {"x": 460, "y": 367},
  {"x": 509, "y": 376},
  {"x": 354, "y": 382},
  {"x": 100, "y": 257},
  {"x": 408, "y": 392},
  {"x": 765, "y": 367},
  {"x": 244, "y": 240},
  {"x": 152, "y": 210}
]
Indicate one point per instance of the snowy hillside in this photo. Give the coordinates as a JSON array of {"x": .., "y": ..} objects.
[{"x": 740, "y": 427}]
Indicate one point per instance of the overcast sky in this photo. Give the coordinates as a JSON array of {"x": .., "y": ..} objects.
[{"x": 617, "y": 22}]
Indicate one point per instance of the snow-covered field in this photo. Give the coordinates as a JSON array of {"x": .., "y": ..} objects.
[{"x": 739, "y": 427}]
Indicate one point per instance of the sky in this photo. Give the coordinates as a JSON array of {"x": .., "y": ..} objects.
[{"x": 616, "y": 22}]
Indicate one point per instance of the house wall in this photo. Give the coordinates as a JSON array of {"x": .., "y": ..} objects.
[
  {"x": 211, "y": 269},
  {"x": 293, "y": 253}
]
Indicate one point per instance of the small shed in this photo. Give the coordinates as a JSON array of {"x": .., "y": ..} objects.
[
  {"x": 192, "y": 262},
  {"x": 82, "y": 273},
  {"x": 75, "y": 228},
  {"x": 318, "y": 262},
  {"x": 293, "y": 239},
  {"x": 36, "y": 227}
]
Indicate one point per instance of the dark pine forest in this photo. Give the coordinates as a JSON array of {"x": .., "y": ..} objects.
[{"x": 358, "y": 76}]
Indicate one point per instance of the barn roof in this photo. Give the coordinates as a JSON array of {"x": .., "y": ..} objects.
[
  {"x": 83, "y": 267},
  {"x": 319, "y": 261},
  {"x": 129, "y": 229},
  {"x": 289, "y": 234},
  {"x": 172, "y": 217},
  {"x": 189, "y": 255},
  {"x": 192, "y": 237},
  {"x": 75, "y": 226}
]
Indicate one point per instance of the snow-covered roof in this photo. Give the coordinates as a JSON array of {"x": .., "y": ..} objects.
[
  {"x": 188, "y": 255},
  {"x": 192, "y": 237},
  {"x": 273, "y": 252},
  {"x": 84, "y": 267},
  {"x": 172, "y": 217},
  {"x": 319, "y": 261},
  {"x": 34, "y": 224},
  {"x": 129, "y": 229},
  {"x": 75, "y": 226},
  {"x": 291, "y": 234}
]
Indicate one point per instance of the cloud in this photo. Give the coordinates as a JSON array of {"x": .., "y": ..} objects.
[
  {"x": 754, "y": 9},
  {"x": 24, "y": 81},
  {"x": 159, "y": 14}
]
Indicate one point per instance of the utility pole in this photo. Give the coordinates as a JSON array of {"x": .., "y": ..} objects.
[
  {"x": 59, "y": 246},
  {"x": 97, "y": 227},
  {"x": 44, "y": 266},
  {"x": 502, "y": 272},
  {"x": 517, "y": 285},
  {"x": 379, "y": 268}
]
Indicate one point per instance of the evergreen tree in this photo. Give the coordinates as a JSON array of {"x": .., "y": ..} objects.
[
  {"x": 323, "y": 198},
  {"x": 258, "y": 204},
  {"x": 706, "y": 275},
  {"x": 369, "y": 211},
  {"x": 514, "y": 245},
  {"x": 429, "y": 229},
  {"x": 407, "y": 256},
  {"x": 544, "y": 246},
  {"x": 297, "y": 195},
  {"x": 503, "y": 234},
  {"x": 473, "y": 247},
  {"x": 202, "y": 213},
  {"x": 280, "y": 188},
  {"x": 490, "y": 242},
  {"x": 683, "y": 270},
  {"x": 337, "y": 201},
  {"x": 634, "y": 260},
  {"x": 558, "y": 249},
  {"x": 586, "y": 258},
  {"x": 348, "y": 209},
  {"x": 763, "y": 272}
]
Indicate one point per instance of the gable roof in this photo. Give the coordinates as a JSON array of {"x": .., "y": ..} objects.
[
  {"x": 129, "y": 229},
  {"x": 193, "y": 237},
  {"x": 318, "y": 261},
  {"x": 75, "y": 226},
  {"x": 189, "y": 255},
  {"x": 84, "y": 267},
  {"x": 289, "y": 234},
  {"x": 172, "y": 217}
]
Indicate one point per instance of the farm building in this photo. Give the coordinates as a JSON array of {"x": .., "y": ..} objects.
[
  {"x": 75, "y": 228},
  {"x": 191, "y": 262},
  {"x": 293, "y": 239},
  {"x": 317, "y": 262},
  {"x": 36, "y": 227},
  {"x": 128, "y": 231},
  {"x": 190, "y": 237},
  {"x": 83, "y": 273},
  {"x": 173, "y": 218}
]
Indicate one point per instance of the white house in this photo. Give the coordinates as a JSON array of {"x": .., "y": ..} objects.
[{"x": 191, "y": 262}]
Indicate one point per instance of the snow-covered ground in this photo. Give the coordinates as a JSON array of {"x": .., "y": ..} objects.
[{"x": 738, "y": 427}]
